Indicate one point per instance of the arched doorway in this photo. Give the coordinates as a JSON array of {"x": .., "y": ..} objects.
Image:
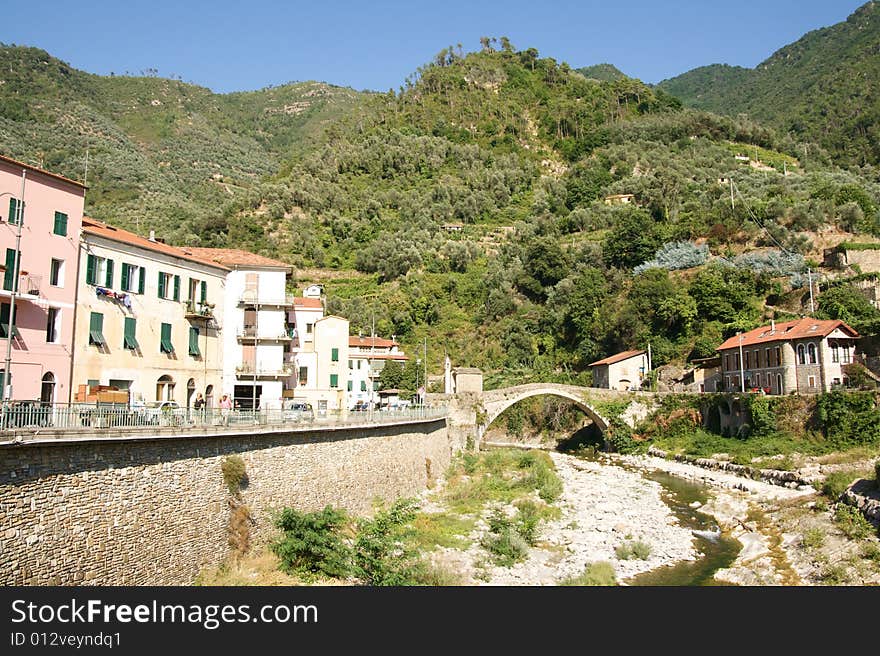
[
  {"x": 47, "y": 389},
  {"x": 165, "y": 388},
  {"x": 190, "y": 392}
]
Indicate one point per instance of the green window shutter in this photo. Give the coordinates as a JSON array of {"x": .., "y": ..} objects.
[
  {"x": 96, "y": 329},
  {"x": 130, "y": 339},
  {"x": 91, "y": 263},
  {"x": 142, "y": 280},
  {"x": 363, "y": 386},
  {"x": 189, "y": 290},
  {"x": 60, "y": 227},
  {"x": 194, "y": 341},
  {"x": 204, "y": 297},
  {"x": 161, "y": 285},
  {"x": 4, "y": 320},
  {"x": 13, "y": 211},
  {"x": 109, "y": 281},
  {"x": 350, "y": 385},
  {"x": 165, "y": 345},
  {"x": 126, "y": 278},
  {"x": 334, "y": 380},
  {"x": 334, "y": 355},
  {"x": 176, "y": 288},
  {"x": 9, "y": 275}
]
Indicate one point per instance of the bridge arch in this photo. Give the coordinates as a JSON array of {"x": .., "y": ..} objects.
[{"x": 497, "y": 401}]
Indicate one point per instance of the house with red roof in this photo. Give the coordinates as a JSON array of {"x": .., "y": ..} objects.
[
  {"x": 805, "y": 356},
  {"x": 621, "y": 371}
]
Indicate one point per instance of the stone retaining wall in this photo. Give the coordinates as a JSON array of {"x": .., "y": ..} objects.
[{"x": 116, "y": 512}]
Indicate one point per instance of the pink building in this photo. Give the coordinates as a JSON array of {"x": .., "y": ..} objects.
[{"x": 45, "y": 303}]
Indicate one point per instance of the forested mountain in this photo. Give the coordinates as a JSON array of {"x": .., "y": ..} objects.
[
  {"x": 161, "y": 153},
  {"x": 602, "y": 72},
  {"x": 469, "y": 205},
  {"x": 824, "y": 88}
]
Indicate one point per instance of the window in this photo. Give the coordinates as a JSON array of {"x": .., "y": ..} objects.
[
  {"x": 351, "y": 364},
  {"x": 60, "y": 227},
  {"x": 99, "y": 271},
  {"x": 812, "y": 381},
  {"x": 375, "y": 385},
  {"x": 165, "y": 345},
  {"x": 847, "y": 354},
  {"x": 835, "y": 353},
  {"x": 334, "y": 380},
  {"x": 133, "y": 278},
  {"x": 194, "y": 342},
  {"x": 167, "y": 282},
  {"x": 309, "y": 328},
  {"x": 56, "y": 273},
  {"x": 119, "y": 383},
  {"x": 757, "y": 359},
  {"x": 96, "y": 329},
  {"x": 13, "y": 211},
  {"x": 812, "y": 352},
  {"x": 350, "y": 385},
  {"x": 363, "y": 386},
  {"x": 334, "y": 355},
  {"x": 359, "y": 364},
  {"x": 129, "y": 340},
  {"x": 303, "y": 376},
  {"x": 767, "y": 362},
  {"x": 778, "y": 358},
  {"x": 802, "y": 359},
  {"x": 10, "y": 276},
  {"x": 736, "y": 360},
  {"x": 53, "y": 325},
  {"x": 4, "y": 322}
]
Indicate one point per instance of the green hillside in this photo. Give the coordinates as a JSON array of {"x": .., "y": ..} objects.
[
  {"x": 821, "y": 89},
  {"x": 162, "y": 154},
  {"x": 469, "y": 206},
  {"x": 602, "y": 72}
]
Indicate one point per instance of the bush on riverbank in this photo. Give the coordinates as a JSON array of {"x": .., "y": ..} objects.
[
  {"x": 312, "y": 543},
  {"x": 600, "y": 573}
]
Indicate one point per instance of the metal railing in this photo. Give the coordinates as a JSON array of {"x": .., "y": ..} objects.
[
  {"x": 89, "y": 417},
  {"x": 253, "y": 297}
]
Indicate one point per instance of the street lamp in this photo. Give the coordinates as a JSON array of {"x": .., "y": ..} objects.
[{"x": 15, "y": 267}]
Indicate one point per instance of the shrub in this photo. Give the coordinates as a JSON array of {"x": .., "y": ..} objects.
[
  {"x": 836, "y": 483},
  {"x": 311, "y": 543},
  {"x": 381, "y": 554},
  {"x": 504, "y": 541},
  {"x": 676, "y": 255},
  {"x": 598, "y": 573},
  {"x": 871, "y": 551},
  {"x": 527, "y": 519},
  {"x": 852, "y": 522},
  {"x": 834, "y": 575},
  {"x": 233, "y": 473},
  {"x": 633, "y": 549},
  {"x": 813, "y": 538}
]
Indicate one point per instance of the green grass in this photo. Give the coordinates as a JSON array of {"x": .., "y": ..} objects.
[
  {"x": 600, "y": 573},
  {"x": 836, "y": 483},
  {"x": 852, "y": 522},
  {"x": 633, "y": 550},
  {"x": 813, "y": 538},
  {"x": 434, "y": 530}
]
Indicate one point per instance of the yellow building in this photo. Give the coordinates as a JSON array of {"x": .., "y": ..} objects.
[
  {"x": 326, "y": 361},
  {"x": 146, "y": 318}
]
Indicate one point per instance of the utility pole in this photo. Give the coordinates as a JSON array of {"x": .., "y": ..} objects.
[
  {"x": 810, "y": 281},
  {"x": 742, "y": 374},
  {"x": 648, "y": 373},
  {"x": 7, "y": 369}
]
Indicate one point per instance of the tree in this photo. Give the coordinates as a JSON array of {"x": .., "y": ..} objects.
[
  {"x": 848, "y": 304},
  {"x": 633, "y": 240}
]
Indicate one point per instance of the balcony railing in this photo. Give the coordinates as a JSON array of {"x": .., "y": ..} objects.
[
  {"x": 249, "y": 369},
  {"x": 251, "y": 333},
  {"x": 194, "y": 310},
  {"x": 253, "y": 297}
]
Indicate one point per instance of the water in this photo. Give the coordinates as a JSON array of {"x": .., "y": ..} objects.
[{"x": 716, "y": 549}]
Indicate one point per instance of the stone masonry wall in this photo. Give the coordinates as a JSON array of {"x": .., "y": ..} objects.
[{"x": 154, "y": 512}]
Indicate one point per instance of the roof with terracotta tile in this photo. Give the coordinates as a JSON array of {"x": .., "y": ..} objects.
[
  {"x": 37, "y": 169},
  {"x": 366, "y": 342},
  {"x": 303, "y": 302},
  {"x": 788, "y": 330},
  {"x": 618, "y": 357},
  {"x": 101, "y": 229},
  {"x": 235, "y": 258}
]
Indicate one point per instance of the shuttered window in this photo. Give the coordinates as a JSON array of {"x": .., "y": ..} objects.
[
  {"x": 194, "y": 341},
  {"x": 13, "y": 211},
  {"x": 350, "y": 385},
  {"x": 60, "y": 227},
  {"x": 10, "y": 275},
  {"x": 4, "y": 322},
  {"x": 129, "y": 339},
  {"x": 108, "y": 280},
  {"x": 204, "y": 292},
  {"x": 334, "y": 355},
  {"x": 176, "y": 288},
  {"x": 334, "y": 380},
  {"x": 165, "y": 345},
  {"x": 162, "y": 282},
  {"x": 96, "y": 329}
]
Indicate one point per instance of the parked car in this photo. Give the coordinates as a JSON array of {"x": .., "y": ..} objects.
[
  {"x": 165, "y": 413},
  {"x": 361, "y": 406},
  {"x": 297, "y": 411}
]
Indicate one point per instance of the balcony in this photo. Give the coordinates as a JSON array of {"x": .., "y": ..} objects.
[
  {"x": 193, "y": 310},
  {"x": 253, "y": 297},
  {"x": 249, "y": 369},
  {"x": 252, "y": 334},
  {"x": 28, "y": 285}
]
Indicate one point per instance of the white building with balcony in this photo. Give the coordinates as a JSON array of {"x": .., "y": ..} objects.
[
  {"x": 257, "y": 332},
  {"x": 366, "y": 359}
]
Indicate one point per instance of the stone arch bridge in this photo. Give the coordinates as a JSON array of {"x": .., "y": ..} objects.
[{"x": 471, "y": 413}]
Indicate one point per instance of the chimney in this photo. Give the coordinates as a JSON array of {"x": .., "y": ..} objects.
[
  {"x": 772, "y": 324},
  {"x": 152, "y": 235}
]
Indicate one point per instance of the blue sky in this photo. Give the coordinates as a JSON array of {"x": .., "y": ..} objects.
[{"x": 233, "y": 46}]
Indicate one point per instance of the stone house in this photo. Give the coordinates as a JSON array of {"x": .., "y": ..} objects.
[
  {"x": 806, "y": 356},
  {"x": 622, "y": 371},
  {"x": 705, "y": 377}
]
